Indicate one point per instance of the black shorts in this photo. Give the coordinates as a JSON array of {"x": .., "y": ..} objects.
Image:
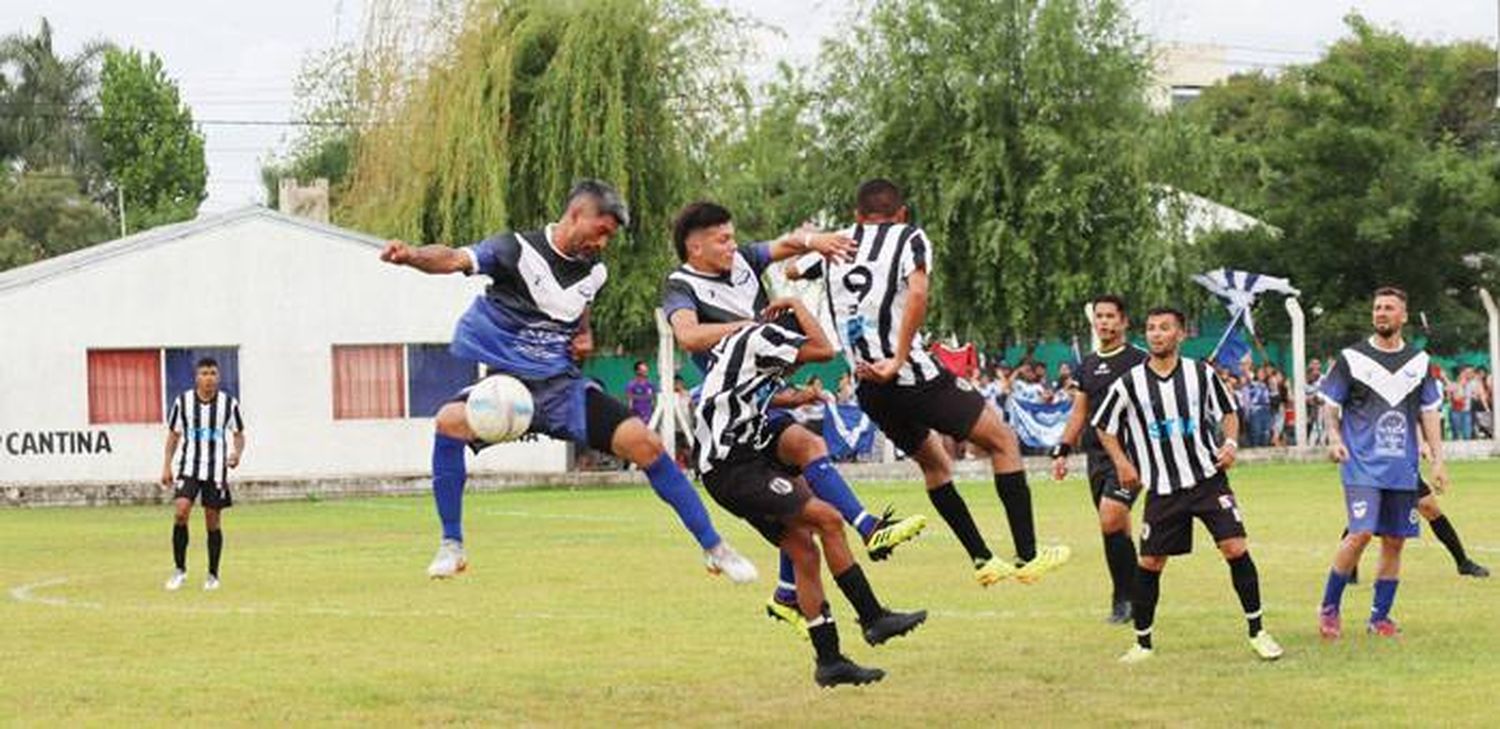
[
  {"x": 906, "y": 413},
  {"x": 213, "y": 495},
  {"x": 1423, "y": 490},
  {"x": 759, "y": 490},
  {"x": 1167, "y": 527},
  {"x": 1105, "y": 484}
]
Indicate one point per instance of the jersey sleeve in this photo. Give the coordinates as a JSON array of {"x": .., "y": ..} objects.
[
  {"x": 918, "y": 254},
  {"x": 1220, "y": 401},
  {"x": 810, "y": 266},
  {"x": 776, "y": 346},
  {"x": 485, "y": 257},
  {"x": 1112, "y": 411},
  {"x": 1334, "y": 387},
  {"x": 1432, "y": 393},
  {"x": 236, "y": 422},
  {"x": 175, "y": 418},
  {"x": 758, "y": 255},
  {"x": 675, "y": 296}
]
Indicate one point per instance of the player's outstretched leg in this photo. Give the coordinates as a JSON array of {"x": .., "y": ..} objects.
[
  {"x": 879, "y": 623},
  {"x": 881, "y": 535},
  {"x": 937, "y": 470},
  {"x": 833, "y": 667},
  {"x": 449, "y": 473},
  {"x": 1443, "y": 529},
  {"x": 1246, "y": 581},
  {"x": 992, "y": 434}
]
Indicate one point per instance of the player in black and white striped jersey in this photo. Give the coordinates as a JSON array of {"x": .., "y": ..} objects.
[
  {"x": 1156, "y": 425},
  {"x": 206, "y": 422},
  {"x": 879, "y": 301}
]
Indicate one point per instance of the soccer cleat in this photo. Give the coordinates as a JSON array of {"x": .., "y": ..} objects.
[
  {"x": 175, "y": 582},
  {"x": 844, "y": 671},
  {"x": 892, "y": 625},
  {"x": 1330, "y": 625},
  {"x": 1137, "y": 654},
  {"x": 723, "y": 560},
  {"x": 1265, "y": 646},
  {"x": 995, "y": 570},
  {"x": 1384, "y": 628},
  {"x": 211, "y": 584},
  {"x": 788, "y": 614},
  {"x": 1046, "y": 560},
  {"x": 449, "y": 561},
  {"x": 1473, "y": 569},
  {"x": 891, "y": 532},
  {"x": 1120, "y": 614}
]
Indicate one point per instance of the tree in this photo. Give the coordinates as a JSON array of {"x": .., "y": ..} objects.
[
  {"x": 47, "y": 101},
  {"x": 329, "y": 103},
  {"x": 44, "y": 214},
  {"x": 150, "y": 150}
]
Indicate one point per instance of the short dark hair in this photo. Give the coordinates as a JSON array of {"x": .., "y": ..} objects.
[
  {"x": 878, "y": 196},
  {"x": 605, "y": 197},
  {"x": 1169, "y": 311},
  {"x": 206, "y": 362},
  {"x": 1390, "y": 291},
  {"x": 1118, "y": 301},
  {"x": 640, "y": 362},
  {"x": 694, "y": 217}
]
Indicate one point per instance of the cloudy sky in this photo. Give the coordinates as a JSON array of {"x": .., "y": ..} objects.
[{"x": 236, "y": 61}]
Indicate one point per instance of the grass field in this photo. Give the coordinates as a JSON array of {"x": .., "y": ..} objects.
[{"x": 590, "y": 608}]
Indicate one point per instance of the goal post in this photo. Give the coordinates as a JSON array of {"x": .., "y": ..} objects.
[{"x": 1299, "y": 371}]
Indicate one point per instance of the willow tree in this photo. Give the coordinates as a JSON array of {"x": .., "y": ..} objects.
[
  {"x": 1016, "y": 127},
  {"x": 514, "y": 100}
]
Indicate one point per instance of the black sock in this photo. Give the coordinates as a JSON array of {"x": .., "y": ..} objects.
[
  {"x": 955, "y": 512},
  {"x": 1143, "y": 605},
  {"x": 1016, "y": 496},
  {"x": 1449, "y": 537},
  {"x": 1247, "y": 586},
  {"x": 1119, "y": 553},
  {"x": 179, "y": 546},
  {"x": 215, "y": 548},
  {"x": 825, "y": 639},
  {"x": 855, "y": 587}
]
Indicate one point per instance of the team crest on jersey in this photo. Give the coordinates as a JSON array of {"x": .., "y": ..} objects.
[
  {"x": 1102, "y": 369},
  {"x": 1359, "y": 509},
  {"x": 781, "y": 486},
  {"x": 1413, "y": 516},
  {"x": 742, "y": 277},
  {"x": 1226, "y": 502},
  {"x": 1145, "y": 531},
  {"x": 1390, "y": 434}
]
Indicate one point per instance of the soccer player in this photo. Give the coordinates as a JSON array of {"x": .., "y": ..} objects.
[
  {"x": 1154, "y": 423},
  {"x": 532, "y": 324},
  {"x": 716, "y": 292},
  {"x": 743, "y": 470},
  {"x": 879, "y": 300},
  {"x": 1381, "y": 392},
  {"x": 1096, "y": 373},
  {"x": 200, "y": 421}
]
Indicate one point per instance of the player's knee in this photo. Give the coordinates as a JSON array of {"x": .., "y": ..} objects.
[
  {"x": 1429, "y": 508},
  {"x": 1233, "y": 548},
  {"x": 1152, "y": 563},
  {"x": 1358, "y": 539},
  {"x": 822, "y": 517},
  {"x": 1112, "y": 519},
  {"x": 803, "y": 446},
  {"x": 452, "y": 421}
]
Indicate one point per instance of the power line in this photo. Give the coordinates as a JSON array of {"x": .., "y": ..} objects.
[{"x": 49, "y": 116}]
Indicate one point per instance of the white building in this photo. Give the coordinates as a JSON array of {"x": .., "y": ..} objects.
[{"x": 337, "y": 358}]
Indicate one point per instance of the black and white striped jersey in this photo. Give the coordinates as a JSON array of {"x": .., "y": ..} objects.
[
  {"x": 867, "y": 296},
  {"x": 1164, "y": 423},
  {"x": 205, "y": 428},
  {"x": 745, "y": 370}
]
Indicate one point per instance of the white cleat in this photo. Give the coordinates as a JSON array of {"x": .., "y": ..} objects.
[
  {"x": 450, "y": 560},
  {"x": 176, "y": 581},
  {"x": 722, "y": 559},
  {"x": 211, "y": 584},
  {"x": 1137, "y": 654}
]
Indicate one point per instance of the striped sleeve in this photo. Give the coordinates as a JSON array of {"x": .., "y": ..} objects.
[
  {"x": 175, "y": 418},
  {"x": 1220, "y": 401},
  {"x": 1112, "y": 411},
  {"x": 809, "y": 266},
  {"x": 235, "y": 422},
  {"x": 918, "y": 254},
  {"x": 776, "y": 347}
]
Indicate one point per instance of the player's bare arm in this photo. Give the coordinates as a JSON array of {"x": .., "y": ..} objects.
[
  {"x": 173, "y": 438},
  {"x": 818, "y": 347},
  {"x": 1432, "y": 436},
  {"x": 239, "y": 447},
  {"x": 1077, "y": 421},
  {"x": 433, "y": 259},
  {"x": 1124, "y": 469},
  {"x": 832, "y": 246},
  {"x": 1332, "y": 417},
  {"x": 1224, "y": 459},
  {"x": 695, "y": 336}
]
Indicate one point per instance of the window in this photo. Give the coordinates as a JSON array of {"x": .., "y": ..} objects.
[
  {"x": 369, "y": 382},
  {"x": 124, "y": 386},
  {"x": 434, "y": 377},
  {"x": 182, "y": 371}
]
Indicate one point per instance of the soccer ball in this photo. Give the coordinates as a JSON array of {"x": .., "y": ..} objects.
[{"x": 499, "y": 409}]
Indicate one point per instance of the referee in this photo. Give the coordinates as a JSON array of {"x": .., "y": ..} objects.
[
  {"x": 200, "y": 421},
  {"x": 1154, "y": 423}
]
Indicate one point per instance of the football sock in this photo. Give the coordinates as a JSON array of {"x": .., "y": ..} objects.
[
  {"x": 825, "y": 638},
  {"x": 855, "y": 587},
  {"x": 1247, "y": 586},
  {"x": 1449, "y": 537},
  {"x": 1016, "y": 496},
  {"x": 786, "y": 582},
  {"x": 671, "y": 486},
  {"x": 1385, "y": 597},
  {"x": 215, "y": 548},
  {"x": 1119, "y": 553},
  {"x": 1333, "y": 592},
  {"x": 830, "y": 486},
  {"x": 1143, "y": 606},
  {"x": 448, "y": 476},
  {"x": 955, "y": 512},
  {"x": 179, "y": 546}
]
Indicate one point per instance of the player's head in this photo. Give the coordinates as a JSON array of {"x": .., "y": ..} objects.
[
  {"x": 704, "y": 236},
  {"x": 640, "y": 368},
  {"x": 206, "y": 375},
  {"x": 1111, "y": 321},
  {"x": 1165, "y": 328},
  {"x": 878, "y": 200},
  {"x": 1388, "y": 314},
  {"x": 594, "y": 212}
]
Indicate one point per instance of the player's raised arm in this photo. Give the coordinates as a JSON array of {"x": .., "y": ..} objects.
[
  {"x": 694, "y": 336},
  {"x": 434, "y": 259},
  {"x": 805, "y": 240},
  {"x": 818, "y": 347}
]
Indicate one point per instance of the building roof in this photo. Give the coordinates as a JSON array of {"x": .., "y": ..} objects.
[{"x": 77, "y": 260}]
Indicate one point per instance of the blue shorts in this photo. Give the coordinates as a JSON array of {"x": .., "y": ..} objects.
[
  {"x": 1382, "y": 512},
  {"x": 569, "y": 408}
]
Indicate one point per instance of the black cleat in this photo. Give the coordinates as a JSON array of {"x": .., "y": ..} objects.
[
  {"x": 1473, "y": 569},
  {"x": 844, "y": 671},
  {"x": 1120, "y": 614},
  {"x": 892, "y": 625}
]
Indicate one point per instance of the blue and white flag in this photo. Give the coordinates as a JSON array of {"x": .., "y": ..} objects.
[
  {"x": 1239, "y": 291},
  {"x": 1039, "y": 425},
  {"x": 847, "y": 431}
]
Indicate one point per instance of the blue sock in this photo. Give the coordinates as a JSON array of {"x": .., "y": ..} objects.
[
  {"x": 1333, "y": 592},
  {"x": 831, "y": 487},
  {"x": 671, "y": 486},
  {"x": 786, "y": 583},
  {"x": 1385, "y": 597},
  {"x": 448, "y": 476}
]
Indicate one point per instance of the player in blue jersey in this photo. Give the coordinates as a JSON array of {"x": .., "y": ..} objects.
[
  {"x": 1382, "y": 392},
  {"x": 532, "y": 323}
]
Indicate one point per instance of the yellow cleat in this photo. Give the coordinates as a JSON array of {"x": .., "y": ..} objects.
[
  {"x": 891, "y": 532},
  {"x": 1046, "y": 560},
  {"x": 788, "y": 614},
  {"x": 993, "y": 571}
]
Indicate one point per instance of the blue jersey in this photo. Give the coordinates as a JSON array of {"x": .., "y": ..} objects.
[
  {"x": 525, "y": 322},
  {"x": 1382, "y": 395},
  {"x": 720, "y": 299}
]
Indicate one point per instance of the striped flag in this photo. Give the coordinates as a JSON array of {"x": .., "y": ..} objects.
[{"x": 1239, "y": 291}]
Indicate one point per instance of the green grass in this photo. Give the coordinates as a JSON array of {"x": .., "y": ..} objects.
[{"x": 590, "y": 607}]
